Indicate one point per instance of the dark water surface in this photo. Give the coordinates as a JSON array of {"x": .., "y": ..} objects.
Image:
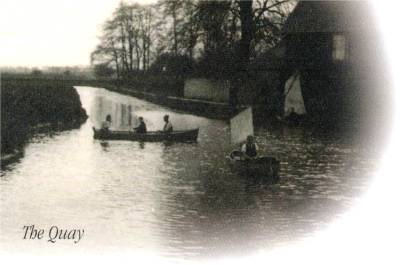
[{"x": 174, "y": 200}]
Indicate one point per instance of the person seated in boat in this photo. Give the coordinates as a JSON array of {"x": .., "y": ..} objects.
[
  {"x": 142, "y": 126},
  {"x": 168, "y": 125},
  {"x": 293, "y": 117},
  {"x": 250, "y": 148},
  {"x": 105, "y": 125}
]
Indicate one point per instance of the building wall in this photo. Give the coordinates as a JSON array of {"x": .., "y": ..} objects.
[
  {"x": 330, "y": 87},
  {"x": 351, "y": 87},
  {"x": 309, "y": 50}
]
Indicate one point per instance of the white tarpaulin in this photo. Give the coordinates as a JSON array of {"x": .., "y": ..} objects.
[
  {"x": 242, "y": 126},
  {"x": 293, "y": 97}
]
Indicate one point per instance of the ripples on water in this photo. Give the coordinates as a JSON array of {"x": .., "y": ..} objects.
[{"x": 175, "y": 200}]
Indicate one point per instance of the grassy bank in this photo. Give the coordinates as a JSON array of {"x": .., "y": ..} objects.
[
  {"x": 28, "y": 103},
  {"x": 163, "y": 85}
]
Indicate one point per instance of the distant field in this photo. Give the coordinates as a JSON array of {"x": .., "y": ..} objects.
[{"x": 165, "y": 85}]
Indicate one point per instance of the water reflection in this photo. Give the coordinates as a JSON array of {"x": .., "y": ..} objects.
[
  {"x": 105, "y": 145},
  {"x": 121, "y": 113},
  {"x": 125, "y": 112},
  {"x": 176, "y": 200}
]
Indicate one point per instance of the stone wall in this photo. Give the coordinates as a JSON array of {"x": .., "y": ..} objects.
[{"x": 207, "y": 89}]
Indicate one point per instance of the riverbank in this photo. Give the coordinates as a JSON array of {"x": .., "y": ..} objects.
[
  {"x": 209, "y": 109},
  {"x": 28, "y": 106},
  {"x": 262, "y": 117},
  {"x": 164, "y": 90}
]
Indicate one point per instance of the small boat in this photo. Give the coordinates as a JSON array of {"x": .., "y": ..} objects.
[
  {"x": 262, "y": 166},
  {"x": 6, "y": 159},
  {"x": 154, "y": 136}
]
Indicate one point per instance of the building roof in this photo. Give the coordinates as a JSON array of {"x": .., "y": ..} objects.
[{"x": 329, "y": 16}]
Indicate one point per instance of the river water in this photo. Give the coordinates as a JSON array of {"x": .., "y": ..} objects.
[{"x": 180, "y": 200}]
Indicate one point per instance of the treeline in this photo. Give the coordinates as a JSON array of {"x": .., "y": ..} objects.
[
  {"x": 48, "y": 72},
  {"x": 181, "y": 37}
]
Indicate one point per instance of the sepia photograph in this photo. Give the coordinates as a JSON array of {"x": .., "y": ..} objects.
[{"x": 196, "y": 131}]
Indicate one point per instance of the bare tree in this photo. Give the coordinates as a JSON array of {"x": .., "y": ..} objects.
[
  {"x": 107, "y": 52},
  {"x": 173, "y": 9},
  {"x": 190, "y": 27},
  {"x": 261, "y": 21},
  {"x": 226, "y": 33}
]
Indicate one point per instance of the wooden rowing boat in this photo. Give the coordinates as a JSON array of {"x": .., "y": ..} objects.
[
  {"x": 154, "y": 136},
  {"x": 7, "y": 159},
  {"x": 262, "y": 166}
]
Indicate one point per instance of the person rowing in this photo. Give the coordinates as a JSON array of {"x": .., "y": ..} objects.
[
  {"x": 142, "y": 126},
  {"x": 168, "y": 125},
  {"x": 250, "y": 148},
  {"x": 105, "y": 125}
]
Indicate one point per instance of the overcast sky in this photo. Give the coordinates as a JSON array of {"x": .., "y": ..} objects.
[
  {"x": 64, "y": 32},
  {"x": 51, "y": 32}
]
